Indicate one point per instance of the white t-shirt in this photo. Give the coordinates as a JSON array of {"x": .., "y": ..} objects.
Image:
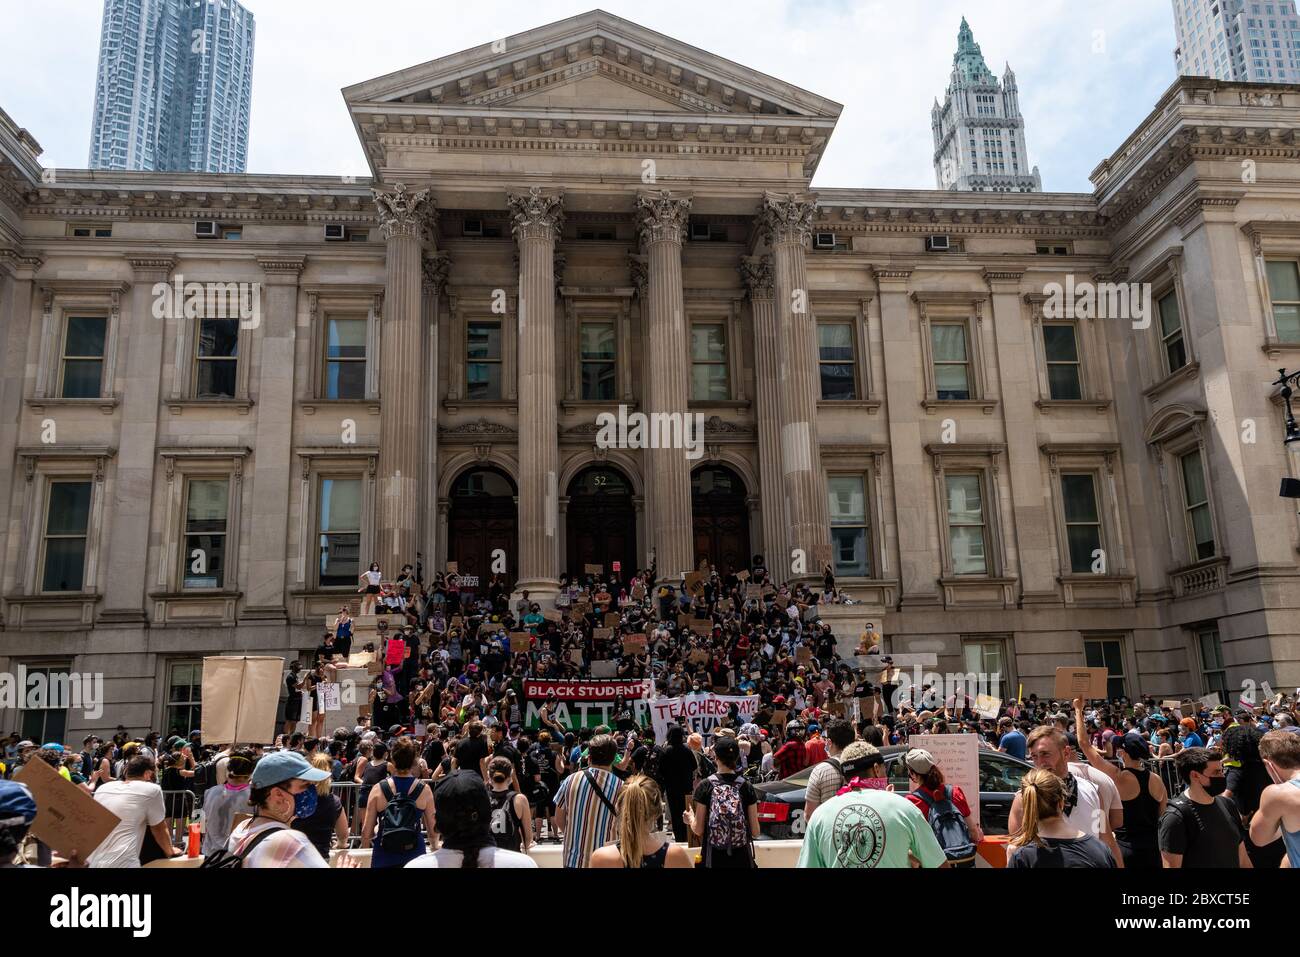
[
  {"x": 497, "y": 857},
  {"x": 1106, "y": 789},
  {"x": 1088, "y": 815},
  {"x": 289, "y": 848},
  {"x": 139, "y": 805},
  {"x": 373, "y": 578}
]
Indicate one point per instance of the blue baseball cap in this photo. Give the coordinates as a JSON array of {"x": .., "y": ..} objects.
[
  {"x": 281, "y": 766},
  {"x": 16, "y": 803},
  {"x": 52, "y": 746}
]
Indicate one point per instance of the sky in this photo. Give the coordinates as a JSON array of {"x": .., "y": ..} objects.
[{"x": 1089, "y": 72}]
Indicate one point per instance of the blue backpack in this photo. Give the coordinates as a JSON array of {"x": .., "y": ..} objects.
[{"x": 949, "y": 826}]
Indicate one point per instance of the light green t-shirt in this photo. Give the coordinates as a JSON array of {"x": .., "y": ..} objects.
[{"x": 867, "y": 828}]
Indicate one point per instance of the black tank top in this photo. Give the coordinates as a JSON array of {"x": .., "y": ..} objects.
[
  {"x": 505, "y": 825},
  {"x": 657, "y": 859},
  {"x": 1141, "y": 815},
  {"x": 372, "y": 775}
]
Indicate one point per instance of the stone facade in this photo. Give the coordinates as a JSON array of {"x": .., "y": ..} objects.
[{"x": 600, "y": 216}]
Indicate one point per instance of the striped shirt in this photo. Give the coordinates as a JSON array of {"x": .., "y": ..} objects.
[
  {"x": 590, "y": 823},
  {"x": 284, "y": 850}
]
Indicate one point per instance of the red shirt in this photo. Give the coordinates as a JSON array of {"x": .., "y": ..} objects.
[
  {"x": 816, "y": 750},
  {"x": 958, "y": 800},
  {"x": 790, "y": 758}
]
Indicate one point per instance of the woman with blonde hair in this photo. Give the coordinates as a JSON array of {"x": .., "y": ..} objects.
[
  {"x": 329, "y": 819},
  {"x": 640, "y": 844},
  {"x": 1045, "y": 839}
]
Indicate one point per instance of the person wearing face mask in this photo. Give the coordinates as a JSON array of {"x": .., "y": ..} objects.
[
  {"x": 137, "y": 800},
  {"x": 223, "y": 802},
  {"x": 1201, "y": 828},
  {"x": 283, "y": 788},
  {"x": 1279, "y": 805}
]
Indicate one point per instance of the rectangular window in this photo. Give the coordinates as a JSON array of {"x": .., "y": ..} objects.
[
  {"x": 83, "y": 357},
  {"x": 1061, "y": 346},
  {"x": 184, "y": 697},
  {"x": 952, "y": 372},
  {"x": 1171, "y": 333},
  {"x": 206, "y": 504},
  {"x": 1108, "y": 654},
  {"x": 709, "y": 361},
  {"x": 1082, "y": 522},
  {"x": 850, "y": 530},
  {"x": 1196, "y": 501},
  {"x": 985, "y": 658},
  {"x": 483, "y": 367},
  {"x": 966, "y": 524},
  {"x": 44, "y": 722},
  {"x": 599, "y": 370},
  {"x": 836, "y": 360},
  {"x": 1284, "y": 291},
  {"x": 67, "y": 518},
  {"x": 340, "y": 532},
  {"x": 216, "y": 359},
  {"x": 345, "y": 359},
  {"x": 1212, "y": 667}
]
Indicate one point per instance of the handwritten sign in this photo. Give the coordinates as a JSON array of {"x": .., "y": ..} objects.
[
  {"x": 695, "y": 583},
  {"x": 957, "y": 755},
  {"x": 520, "y": 641},
  {"x": 634, "y": 644},
  {"x": 987, "y": 706},
  {"x": 743, "y": 576},
  {"x": 701, "y": 626},
  {"x": 612, "y": 619},
  {"x": 330, "y": 697},
  {"x": 553, "y": 614},
  {"x": 617, "y": 567},
  {"x": 601, "y": 634},
  {"x": 67, "y": 818},
  {"x": 699, "y": 657},
  {"x": 453, "y": 568},
  {"x": 593, "y": 569},
  {"x": 1080, "y": 683}
]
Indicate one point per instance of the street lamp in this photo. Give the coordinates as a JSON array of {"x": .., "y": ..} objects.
[{"x": 1290, "y": 486}]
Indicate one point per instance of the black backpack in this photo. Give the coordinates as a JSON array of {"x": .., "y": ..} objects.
[
  {"x": 949, "y": 827},
  {"x": 224, "y": 859},
  {"x": 399, "y": 825}
]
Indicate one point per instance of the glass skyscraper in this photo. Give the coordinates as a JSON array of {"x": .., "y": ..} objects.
[
  {"x": 1247, "y": 41},
  {"x": 174, "y": 87}
]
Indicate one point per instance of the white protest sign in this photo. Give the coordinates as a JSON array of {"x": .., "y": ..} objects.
[
  {"x": 958, "y": 757},
  {"x": 330, "y": 698},
  {"x": 987, "y": 705},
  {"x": 703, "y": 712}
]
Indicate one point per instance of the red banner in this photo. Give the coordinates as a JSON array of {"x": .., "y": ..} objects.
[{"x": 586, "y": 690}]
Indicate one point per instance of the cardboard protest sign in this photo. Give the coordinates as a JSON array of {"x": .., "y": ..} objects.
[
  {"x": 957, "y": 755},
  {"x": 987, "y": 706},
  {"x": 582, "y": 608},
  {"x": 375, "y": 668},
  {"x": 612, "y": 619},
  {"x": 699, "y": 657},
  {"x": 67, "y": 818},
  {"x": 1080, "y": 683},
  {"x": 520, "y": 641},
  {"x": 782, "y": 602},
  {"x": 634, "y": 644},
  {"x": 803, "y": 655},
  {"x": 330, "y": 696},
  {"x": 593, "y": 569},
  {"x": 360, "y": 659},
  {"x": 683, "y": 621},
  {"x": 453, "y": 568},
  {"x": 638, "y": 592},
  {"x": 695, "y": 583},
  {"x": 1173, "y": 705},
  {"x": 601, "y": 634},
  {"x": 1211, "y": 700},
  {"x": 754, "y": 591},
  {"x": 553, "y": 614},
  {"x": 743, "y": 576},
  {"x": 240, "y": 698},
  {"x": 702, "y": 626},
  {"x": 780, "y": 717},
  {"x": 457, "y": 621}
]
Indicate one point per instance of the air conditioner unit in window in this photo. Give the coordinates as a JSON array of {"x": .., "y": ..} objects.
[
  {"x": 824, "y": 241},
  {"x": 472, "y": 227},
  {"x": 937, "y": 244},
  {"x": 205, "y": 229},
  {"x": 700, "y": 232},
  {"x": 336, "y": 233}
]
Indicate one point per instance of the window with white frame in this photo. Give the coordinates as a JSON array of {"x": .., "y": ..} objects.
[
  {"x": 63, "y": 547},
  {"x": 850, "y": 525},
  {"x": 1064, "y": 369},
  {"x": 967, "y": 523},
  {"x": 1284, "y": 292},
  {"x": 483, "y": 360},
  {"x": 1082, "y": 520},
  {"x": 82, "y": 364},
  {"x": 1173, "y": 346},
  {"x": 599, "y": 360},
  {"x": 836, "y": 360},
  {"x": 950, "y": 353},
  {"x": 184, "y": 697},
  {"x": 987, "y": 658},
  {"x": 345, "y": 357},
  {"x": 339, "y": 540},
  {"x": 1196, "y": 505},
  {"x": 207, "y": 503},
  {"x": 709, "y": 362},
  {"x": 216, "y": 359}
]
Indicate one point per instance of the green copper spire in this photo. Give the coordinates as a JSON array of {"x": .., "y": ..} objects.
[{"x": 968, "y": 60}]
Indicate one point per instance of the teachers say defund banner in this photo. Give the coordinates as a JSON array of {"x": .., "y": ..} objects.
[{"x": 703, "y": 712}]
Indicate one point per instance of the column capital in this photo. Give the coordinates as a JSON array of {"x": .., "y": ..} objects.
[
  {"x": 756, "y": 273},
  {"x": 436, "y": 268},
  {"x": 662, "y": 217},
  {"x": 535, "y": 214},
  {"x": 405, "y": 213},
  {"x": 639, "y": 273},
  {"x": 787, "y": 217}
]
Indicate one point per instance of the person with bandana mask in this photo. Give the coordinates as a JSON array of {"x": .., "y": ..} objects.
[
  {"x": 223, "y": 802},
  {"x": 283, "y": 788},
  {"x": 1200, "y": 827}
]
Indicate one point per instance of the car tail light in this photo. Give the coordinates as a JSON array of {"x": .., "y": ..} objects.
[{"x": 773, "y": 812}]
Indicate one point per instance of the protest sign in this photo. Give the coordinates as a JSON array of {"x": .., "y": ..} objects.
[
  {"x": 987, "y": 705},
  {"x": 634, "y": 644},
  {"x": 803, "y": 655},
  {"x": 593, "y": 569},
  {"x": 240, "y": 698},
  {"x": 957, "y": 755},
  {"x": 67, "y": 818},
  {"x": 330, "y": 696},
  {"x": 1083, "y": 683},
  {"x": 742, "y": 576},
  {"x": 695, "y": 583},
  {"x": 683, "y": 621},
  {"x": 468, "y": 581},
  {"x": 638, "y": 592},
  {"x": 553, "y": 614},
  {"x": 611, "y": 619},
  {"x": 780, "y": 717},
  {"x": 583, "y": 703},
  {"x": 1211, "y": 700},
  {"x": 701, "y": 626},
  {"x": 699, "y": 656},
  {"x": 616, "y": 567},
  {"x": 601, "y": 634},
  {"x": 453, "y": 568},
  {"x": 703, "y": 712},
  {"x": 520, "y": 641},
  {"x": 395, "y": 652},
  {"x": 1173, "y": 705}
]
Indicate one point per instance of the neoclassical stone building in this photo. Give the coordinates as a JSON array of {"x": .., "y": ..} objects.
[{"x": 592, "y": 215}]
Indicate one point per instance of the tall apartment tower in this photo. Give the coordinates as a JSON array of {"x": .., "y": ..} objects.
[
  {"x": 1244, "y": 41},
  {"x": 979, "y": 133},
  {"x": 174, "y": 87}
]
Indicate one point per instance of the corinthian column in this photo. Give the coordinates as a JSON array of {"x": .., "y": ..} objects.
[
  {"x": 787, "y": 223},
  {"x": 405, "y": 219},
  {"x": 537, "y": 219},
  {"x": 756, "y": 271},
  {"x": 663, "y": 219}
]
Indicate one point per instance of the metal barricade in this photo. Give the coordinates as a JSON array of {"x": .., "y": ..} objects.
[
  {"x": 348, "y": 793},
  {"x": 1168, "y": 773},
  {"x": 181, "y": 806}
]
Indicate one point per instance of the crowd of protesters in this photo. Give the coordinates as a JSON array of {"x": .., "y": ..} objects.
[{"x": 451, "y": 769}]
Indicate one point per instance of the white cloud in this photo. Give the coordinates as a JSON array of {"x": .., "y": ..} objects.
[{"x": 885, "y": 61}]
